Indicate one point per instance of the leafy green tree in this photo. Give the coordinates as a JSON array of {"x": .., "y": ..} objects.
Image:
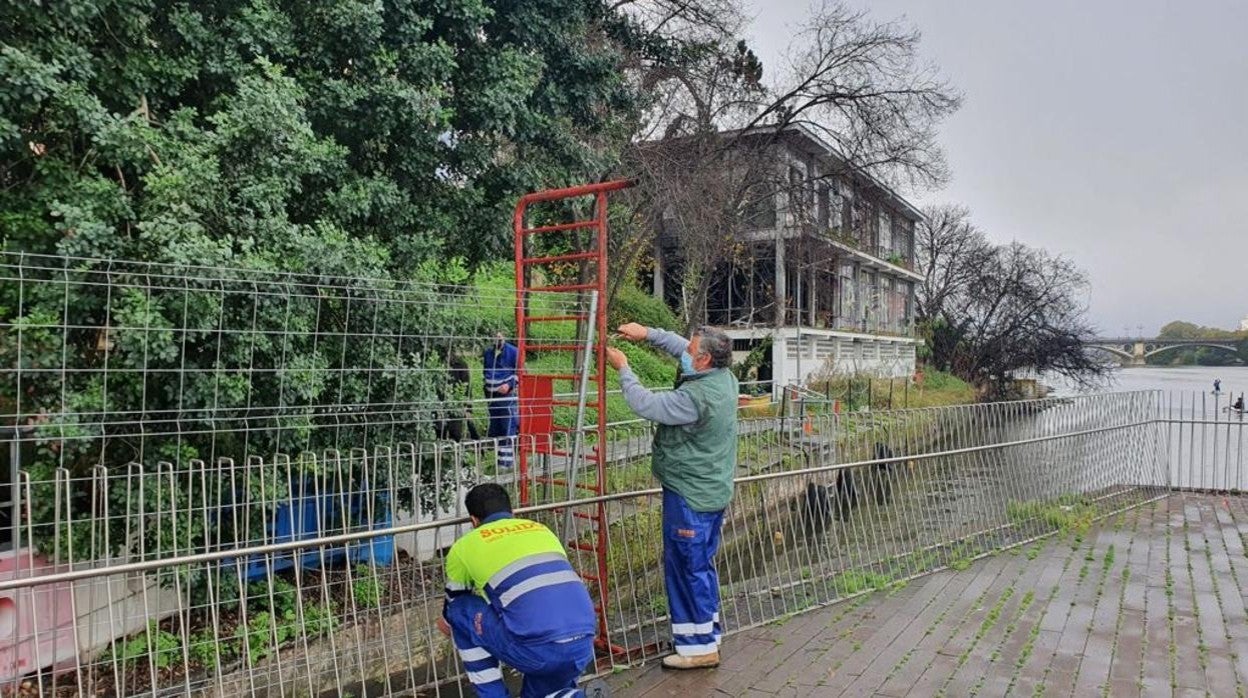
[
  {"x": 324, "y": 152},
  {"x": 223, "y": 131},
  {"x": 1201, "y": 356}
]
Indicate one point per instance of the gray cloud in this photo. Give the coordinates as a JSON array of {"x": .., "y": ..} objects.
[{"x": 1112, "y": 132}]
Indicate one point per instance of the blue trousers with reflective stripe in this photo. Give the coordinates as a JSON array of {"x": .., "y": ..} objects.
[
  {"x": 504, "y": 421},
  {"x": 550, "y": 669},
  {"x": 690, "y": 541}
]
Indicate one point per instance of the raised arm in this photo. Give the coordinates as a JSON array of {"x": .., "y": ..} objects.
[
  {"x": 669, "y": 342},
  {"x": 673, "y": 408}
]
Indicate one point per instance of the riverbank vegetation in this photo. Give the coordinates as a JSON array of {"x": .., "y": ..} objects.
[{"x": 1202, "y": 356}]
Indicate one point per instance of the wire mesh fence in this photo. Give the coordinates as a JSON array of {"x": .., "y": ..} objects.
[
  {"x": 207, "y": 599},
  {"x": 150, "y": 410},
  {"x": 230, "y": 481},
  {"x": 119, "y": 361}
]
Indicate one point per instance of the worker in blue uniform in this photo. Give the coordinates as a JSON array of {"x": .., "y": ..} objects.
[
  {"x": 511, "y": 595},
  {"x": 694, "y": 458},
  {"x": 501, "y": 388}
]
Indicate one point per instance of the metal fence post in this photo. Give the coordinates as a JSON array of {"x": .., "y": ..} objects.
[{"x": 8, "y": 499}]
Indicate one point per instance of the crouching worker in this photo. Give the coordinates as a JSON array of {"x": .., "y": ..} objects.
[{"x": 513, "y": 597}]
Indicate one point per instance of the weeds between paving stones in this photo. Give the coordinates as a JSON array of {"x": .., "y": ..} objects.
[
  {"x": 851, "y": 606},
  {"x": 1221, "y": 665},
  {"x": 910, "y": 653},
  {"x": 975, "y": 604},
  {"x": 1107, "y": 563},
  {"x": 1139, "y": 678},
  {"x": 857, "y": 645},
  {"x": 989, "y": 621},
  {"x": 1236, "y": 584},
  {"x": 1030, "y": 644},
  {"x": 1122, "y": 594},
  {"x": 1070, "y": 521},
  {"x": 1202, "y": 650},
  {"x": 1039, "y": 688},
  {"x": 1173, "y": 648},
  {"x": 1222, "y": 611},
  {"x": 1023, "y": 606},
  {"x": 1028, "y": 598},
  {"x": 1106, "y": 566}
]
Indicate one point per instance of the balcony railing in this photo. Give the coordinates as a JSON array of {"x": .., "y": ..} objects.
[
  {"x": 894, "y": 256},
  {"x": 865, "y": 244},
  {"x": 900, "y": 327}
]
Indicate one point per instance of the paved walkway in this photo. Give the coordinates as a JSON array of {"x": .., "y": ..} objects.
[{"x": 1150, "y": 602}]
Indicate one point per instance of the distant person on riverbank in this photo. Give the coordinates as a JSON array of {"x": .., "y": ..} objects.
[
  {"x": 1239, "y": 404},
  {"x": 1217, "y": 385},
  {"x": 694, "y": 458}
]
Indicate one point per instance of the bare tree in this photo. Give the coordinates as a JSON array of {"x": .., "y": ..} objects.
[
  {"x": 992, "y": 311},
  {"x": 705, "y": 153},
  {"x": 1025, "y": 313},
  {"x": 950, "y": 252},
  {"x": 861, "y": 84}
]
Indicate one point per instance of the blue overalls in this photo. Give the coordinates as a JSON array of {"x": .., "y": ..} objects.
[
  {"x": 504, "y": 412},
  {"x": 690, "y": 542},
  {"x": 513, "y": 596}
]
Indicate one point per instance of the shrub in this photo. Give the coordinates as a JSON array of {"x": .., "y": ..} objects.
[{"x": 631, "y": 304}]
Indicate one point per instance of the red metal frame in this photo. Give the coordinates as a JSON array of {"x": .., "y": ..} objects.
[{"x": 536, "y": 429}]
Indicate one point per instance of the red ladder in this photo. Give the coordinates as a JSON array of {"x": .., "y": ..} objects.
[{"x": 536, "y": 423}]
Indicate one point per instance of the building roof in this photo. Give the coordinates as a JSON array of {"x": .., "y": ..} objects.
[{"x": 821, "y": 147}]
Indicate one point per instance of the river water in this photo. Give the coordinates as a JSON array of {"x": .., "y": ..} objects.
[
  {"x": 1169, "y": 379},
  {"x": 1197, "y": 442},
  {"x": 1206, "y": 441}
]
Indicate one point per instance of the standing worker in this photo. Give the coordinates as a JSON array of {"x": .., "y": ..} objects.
[
  {"x": 694, "y": 458},
  {"x": 500, "y": 391},
  {"x": 511, "y": 595}
]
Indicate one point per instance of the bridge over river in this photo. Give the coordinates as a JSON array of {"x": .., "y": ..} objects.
[{"x": 1134, "y": 351}]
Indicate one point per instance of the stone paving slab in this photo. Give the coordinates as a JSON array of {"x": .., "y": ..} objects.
[{"x": 1151, "y": 602}]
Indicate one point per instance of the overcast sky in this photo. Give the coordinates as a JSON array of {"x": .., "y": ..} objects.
[{"x": 1112, "y": 132}]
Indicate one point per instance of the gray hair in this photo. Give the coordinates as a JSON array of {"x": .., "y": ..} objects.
[{"x": 715, "y": 344}]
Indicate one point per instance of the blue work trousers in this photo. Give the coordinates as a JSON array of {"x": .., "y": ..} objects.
[
  {"x": 690, "y": 541},
  {"x": 550, "y": 669},
  {"x": 504, "y": 414}
]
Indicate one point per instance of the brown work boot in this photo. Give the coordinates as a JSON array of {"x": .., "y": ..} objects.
[{"x": 697, "y": 661}]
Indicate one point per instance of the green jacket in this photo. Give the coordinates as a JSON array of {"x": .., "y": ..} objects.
[{"x": 699, "y": 460}]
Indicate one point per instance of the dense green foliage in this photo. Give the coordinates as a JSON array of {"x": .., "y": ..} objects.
[
  {"x": 235, "y": 131},
  {"x": 290, "y": 167}
]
